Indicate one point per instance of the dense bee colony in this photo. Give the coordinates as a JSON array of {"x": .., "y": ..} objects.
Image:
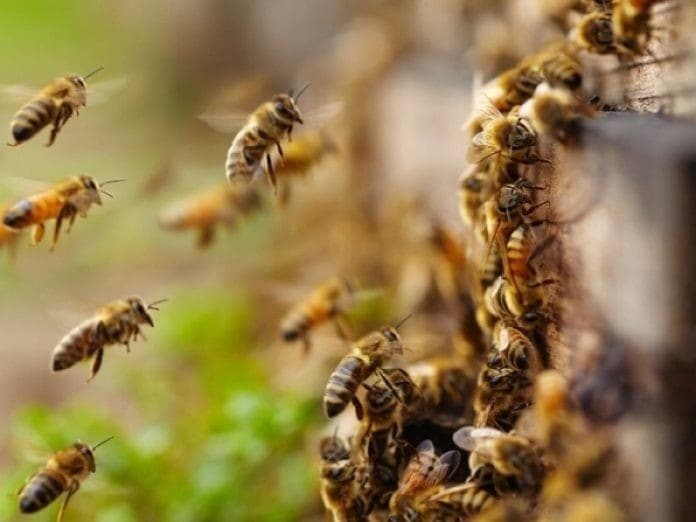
[{"x": 524, "y": 415}]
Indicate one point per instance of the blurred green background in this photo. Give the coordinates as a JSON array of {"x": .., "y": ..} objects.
[{"x": 213, "y": 418}]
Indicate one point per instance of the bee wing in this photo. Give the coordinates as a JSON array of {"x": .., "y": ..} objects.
[
  {"x": 444, "y": 468},
  {"x": 18, "y": 187},
  {"x": 320, "y": 115},
  {"x": 225, "y": 122},
  {"x": 17, "y": 92},
  {"x": 454, "y": 489},
  {"x": 480, "y": 148},
  {"x": 100, "y": 92},
  {"x": 469, "y": 438},
  {"x": 425, "y": 446}
]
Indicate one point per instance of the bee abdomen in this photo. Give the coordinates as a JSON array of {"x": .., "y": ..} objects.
[
  {"x": 295, "y": 326},
  {"x": 476, "y": 500},
  {"x": 492, "y": 268},
  {"x": 40, "y": 491},
  {"x": 31, "y": 118},
  {"x": 73, "y": 348},
  {"x": 19, "y": 215},
  {"x": 343, "y": 383}
]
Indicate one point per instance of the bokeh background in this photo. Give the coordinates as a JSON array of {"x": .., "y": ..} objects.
[{"x": 213, "y": 417}]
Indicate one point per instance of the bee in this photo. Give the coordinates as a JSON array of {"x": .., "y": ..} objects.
[
  {"x": 513, "y": 87},
  {"x": 521, "y": 250},
  {"x": 521, "y": 305},
  {"x": 560, "y": 67},
  {"x": 501, "y": 395},
  {"x": 62, "y": 473},
  {"x": 389, "y": 406},
  {"x": 505, "y": 137},
  {"x": 337, "y": 484},
  {"x": 466, "y": 499},
  {"x": 54, "y": 104},
  {"x": 492, "y": 267},
  {"x": 510, "y": 455},
  {"x": 327, "y": 302},
  {"x": 267, "y": 126},
  {"x": 594, "y": 32},
  {"x": 221, "y": 205},
  {"x": 65, "y": 200},
  {"x": 474, "y": 189},
  {"x": 424, "y": 471},
  {"x": 515, "y": 350},
  {"x": 367, "y": 356},
  {"x": 555, "y": 112},
  {"x": 333, "y": 449},
  {"x": 631, "y": 24},
  {"x": 116, "y": 323}
]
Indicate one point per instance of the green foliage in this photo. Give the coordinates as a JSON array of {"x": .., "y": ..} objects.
[{"x": 216, "y": 441}]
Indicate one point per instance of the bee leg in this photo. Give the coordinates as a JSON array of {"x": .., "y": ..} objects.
[
  {"x": 73, "y": 489},
  {"x": 58, "y": 123},
  {"x": 359, "y": 411},
  {"x": 96, "y": 364},
  {"x": 73, "y": 215},
  {"x": 64, "y": 212},
  {"x": 280, "y": 151},
  {"x": 343, "y": 327},
  {"x": 389, "y": 385},
  {"x": 271, "y": 173},
  {"x": 205, "y": 237},
  {"x": 306, "y": 345},
  {"x": 37, "y": 233}
]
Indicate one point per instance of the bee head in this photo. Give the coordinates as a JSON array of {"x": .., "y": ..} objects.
[
  {"x": 522, "y": 135},
  {"x": 286, "y": 108},
  {"x": 140, "y": 310},
  {"x": 333, "y": 449},
  {"x": 341, "y": 471},
  {"x": 78, "y": 81},
  {"x": 600, "y": 31},
  {"x": 92, "y": 189},
  {"x": 87, "y": 453}
]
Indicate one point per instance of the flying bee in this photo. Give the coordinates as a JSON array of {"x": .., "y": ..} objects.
[
  {"x": 327, "y": 302},
  {"x": 271, "y": 122},
  {"x": 54, "y": 104},
  {"x": 116, "y": 323},
  {"x": 510, "y": 455},
  {"x": 516, "y": 350},
  {"x": 63, "y": 472},
  {"x": 367, "y": 356},
  {"x": 424, "y": 471},
  {"x": 222, "y": 205},
  {"x": 65, "y": 200},
  {"x": 594, "y": 32}
]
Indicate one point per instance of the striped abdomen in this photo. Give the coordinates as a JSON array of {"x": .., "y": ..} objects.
[
  {"x": 33, "y": 210},
  {"x": 519, "y": 248},
  {"x": 246, "y": 152},
  {"x": 33, "y": 117},
  {"x": 493, "y": 266},
  {"x": 343, "y": 383},
  {"x": 303, "y": 318},
  {"x": 474, "y": 500},
  {"x": 79, "y": 344},
  {"x": 522, "y": 353},
  {"x": 564, "y": 70},
  {"x": 42, "y": 489}
]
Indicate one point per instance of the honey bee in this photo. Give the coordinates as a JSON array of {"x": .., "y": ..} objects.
[
  {"x": 555, "y": 112},
  {"x": 513, "y": 87},
  {"x": 54, "y": 104},
  {"x": 521, "y": 249},
  {"x": 62, "y": 473},
  {"x": 560, "y": 67},
  {"x": 510, "y": 455},
  {"x": 116, "y": 323},
  {"x": 327, "y": 302},
  {"x": 515, "y": 350},
  {"x": 506, "y": 137},
  {"x": 267, "y": 126},
  {"x": 221, "y": 205},
  {"x": 389, "y": 407},
  {"x": 521, "y": 305},
  {"x": 337, "y": 484},
  {"x": 474, "y": 189},
  {"x": 501, "y": 395},
  {"x": 466, "y": 499},
  {"x": 594, "y": 32},
  {"x": 424, "y": 471},
  {"x": 65, "y": 200},
  {"x": 367, "y": 356},
  {"x": 631, "y": 24}
]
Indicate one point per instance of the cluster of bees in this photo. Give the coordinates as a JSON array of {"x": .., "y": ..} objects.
[
  {"x": 487, "y": 431},
  {"x": 532, "y": 453}
]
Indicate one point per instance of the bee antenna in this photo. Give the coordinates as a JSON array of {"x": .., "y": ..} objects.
[
  {"x": 152, "y": 306},
  {"x": 95, "y": 71},
  {"x": 102, "y": 442},
  {"x": 299, "y": 93},
  {"x": 105, "y": 193},
  {"x": 402, "y": 321},
  {"x": 113, "y": 181}
]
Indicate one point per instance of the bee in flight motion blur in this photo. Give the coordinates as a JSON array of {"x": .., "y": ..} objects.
[
  {"x": 328, "y": 302},
  {"x": 55, "y": 103},
  {"x": 116, "y": 323},
  {"x": 271, "y": 122},
  {"x": 367, "y": 356},
  {"x": 65, "y": 200},
  {"x": 206, "y": 210},
  {"x": 63, "y": 472}
]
